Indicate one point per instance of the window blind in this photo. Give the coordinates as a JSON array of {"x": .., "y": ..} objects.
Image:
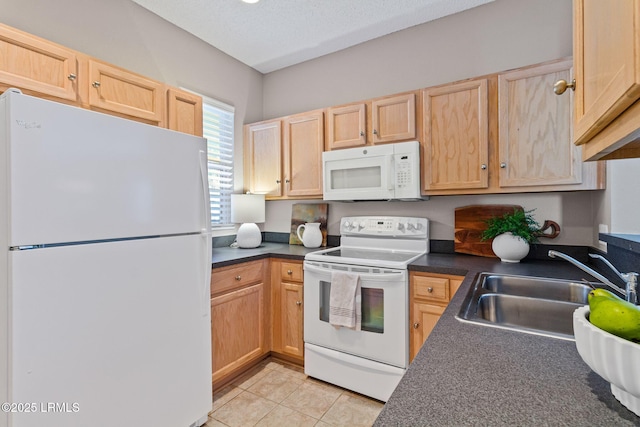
[{"x": 218, "y": 131}]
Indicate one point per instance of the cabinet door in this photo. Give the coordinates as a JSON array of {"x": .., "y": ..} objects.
[
  {"x": 456, "y": 136},
  {"x": 118, "y": 91},
  {"x": 424, "y": 318},
  {"x": 237, "y": 329},
  {"x": 303, "y": 146},
  {"x": 346, "y": 126},
  {"x": 393, "y": 118},
  {"x": 33, "y": 64},
  {"x": 606, "y": 54},
  {"x": 262, "y": 158},
  {"x": 535, "y": 144},
  {"x": 184, "y": 112},
  {"x": 291, "y": 319}
]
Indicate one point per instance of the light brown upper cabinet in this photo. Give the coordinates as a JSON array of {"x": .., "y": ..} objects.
[
  {"x": 606, "y": 50},
  {"x": 184, "y": 111},
  {"x": 456, "y": 136},
  {"x": 346, "y": 126},
  {"x": 504, "y": 133},
  {"x": 47, "y": 70},
  {"x": 122, "y": 92},
  {"x": 535, "y": 132},
  {"x": 393, "y": 118},
  {"x": 535, "y": 128},
  {"x": 283, "y": 157},
  {"x": 303, "y": 145},
  {"x": 376, "y": 121},
  {"x": 263, "y": 158},
  {"x": 37, "y": 66}
]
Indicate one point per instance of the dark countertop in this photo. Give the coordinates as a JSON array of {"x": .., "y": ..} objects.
[
  {"x": 223, "y": 256},
  {"x": 468, "y": 374}
]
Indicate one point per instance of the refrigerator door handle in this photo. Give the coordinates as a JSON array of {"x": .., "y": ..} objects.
[
  {"x": 206, "y": 218},
  {"x": 205, "y": 232}
]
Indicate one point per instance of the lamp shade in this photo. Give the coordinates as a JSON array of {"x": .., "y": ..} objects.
[{"x": 247, "y": 208}]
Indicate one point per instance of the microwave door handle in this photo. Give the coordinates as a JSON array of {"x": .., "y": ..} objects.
[{"x": 391, "y": 174}]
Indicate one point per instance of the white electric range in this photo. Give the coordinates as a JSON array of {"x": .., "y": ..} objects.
[{"x": 372, "y": 360}]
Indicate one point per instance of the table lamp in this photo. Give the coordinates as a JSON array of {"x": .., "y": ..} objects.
[{"x": 248, "y": 209}]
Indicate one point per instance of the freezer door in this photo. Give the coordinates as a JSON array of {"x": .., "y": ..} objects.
[
  {"x": 111, "y": 334},
  {"x": 79, "y": 175}
]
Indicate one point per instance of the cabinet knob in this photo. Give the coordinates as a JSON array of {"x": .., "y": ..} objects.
[
  {"x": 289, "y": 272},
  {"x": 278, "y": 181},
  {"x": 72, "y": 77},
  {"x": 483, "y": 166},
  {"x": 561, "y": 86},
  {"x": 375, "y": 132},
  {"x": 361, "y": 133},
  {"x": 298, "y": 303},
  {"x": 238, "y": 278},
  {"x": 503, "y": 165},
  {"x": 430, "y": 289},
  {"x": 287, "y": 181},
  {"x": 96, "y": 84},
  {"x": 416, "y": 325}
]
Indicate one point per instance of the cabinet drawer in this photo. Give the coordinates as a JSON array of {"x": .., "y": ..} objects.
[
  {"x": 237, "y": 276},
  {"x": 431, "y": 288},
  {"x": 291, "y": 271}
]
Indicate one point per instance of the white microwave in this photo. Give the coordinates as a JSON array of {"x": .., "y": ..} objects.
[{"x": 381, "y": 172}]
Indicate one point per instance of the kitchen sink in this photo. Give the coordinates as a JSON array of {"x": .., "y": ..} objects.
[
  {"x": 534, "y": 305},
  {"x": 538, "y": 287}
]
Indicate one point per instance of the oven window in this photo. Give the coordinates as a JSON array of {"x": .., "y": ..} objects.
[
  {"x": 345, "y": 179},
  {"x": 372, "y": 307}
]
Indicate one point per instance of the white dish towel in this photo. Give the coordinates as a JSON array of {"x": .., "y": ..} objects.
[{"x": 345, "y": 300}]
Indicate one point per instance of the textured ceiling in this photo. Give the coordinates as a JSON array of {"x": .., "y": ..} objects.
[{"x": 273, "y": 34}]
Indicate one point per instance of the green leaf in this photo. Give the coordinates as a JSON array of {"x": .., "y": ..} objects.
[{"x": 518, "y": 223}]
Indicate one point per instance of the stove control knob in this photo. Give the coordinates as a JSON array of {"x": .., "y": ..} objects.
[
  {"x": 410, "y": 227},
  {"x": 360, "y": 225},
  {"x": 347, "y": 225},
  {"x": 400, "y": 226}
]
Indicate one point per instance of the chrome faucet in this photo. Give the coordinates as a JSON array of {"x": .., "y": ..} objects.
[{"x": 630, "y": 279}]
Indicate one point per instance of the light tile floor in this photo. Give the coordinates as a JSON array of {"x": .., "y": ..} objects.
[{"x": 281, "y": 395}]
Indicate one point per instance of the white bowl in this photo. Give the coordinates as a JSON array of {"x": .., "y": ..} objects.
[{"x": 615, "y": 359}]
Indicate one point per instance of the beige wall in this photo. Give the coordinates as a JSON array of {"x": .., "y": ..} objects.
[{"x": 494, "y": 37}]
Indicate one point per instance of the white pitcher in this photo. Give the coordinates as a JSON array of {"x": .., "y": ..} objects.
[{"x": 312, "y": 234}]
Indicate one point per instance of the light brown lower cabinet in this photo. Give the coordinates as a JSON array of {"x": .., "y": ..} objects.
[
  {"x": 287, "y": 310},
  {"x": 239, "y": 318},
  {"x": 430, "y": 294}
]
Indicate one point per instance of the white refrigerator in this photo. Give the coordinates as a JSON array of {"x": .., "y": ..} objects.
[{"x": 104, "y": 275}]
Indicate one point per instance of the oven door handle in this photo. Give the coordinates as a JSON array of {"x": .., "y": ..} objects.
[{"x": 363, "y": 276}]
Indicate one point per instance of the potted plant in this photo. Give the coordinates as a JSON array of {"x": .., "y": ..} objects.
[{"x": 512, "y": 233}]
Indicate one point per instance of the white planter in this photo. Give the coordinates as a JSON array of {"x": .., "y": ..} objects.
[{"x": 510, "y": 248}]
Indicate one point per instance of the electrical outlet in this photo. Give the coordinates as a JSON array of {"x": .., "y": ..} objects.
[{"x": 603, "y": 228}]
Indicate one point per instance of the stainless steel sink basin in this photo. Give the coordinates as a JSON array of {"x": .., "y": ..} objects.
[
  {"x": 538, "y": 287},
  {"x": 528, "y": 314},
  {"x": 534, "y": 305}
]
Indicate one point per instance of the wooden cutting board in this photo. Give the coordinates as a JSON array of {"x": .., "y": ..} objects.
[{"x": 470, "y": 222}]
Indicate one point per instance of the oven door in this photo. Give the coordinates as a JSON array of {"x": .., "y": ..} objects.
[{"x": 385, "y": 333}]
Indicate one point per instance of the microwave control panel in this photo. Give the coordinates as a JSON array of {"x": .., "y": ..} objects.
[{"x": 406, "y": 170}]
